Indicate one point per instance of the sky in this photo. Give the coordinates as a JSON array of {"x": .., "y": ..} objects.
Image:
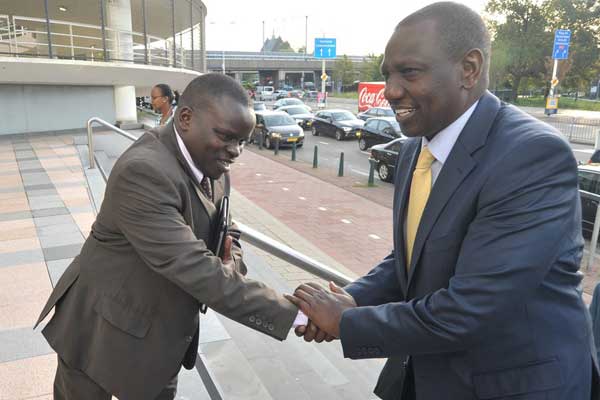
[{"x": 360, "y": 28}]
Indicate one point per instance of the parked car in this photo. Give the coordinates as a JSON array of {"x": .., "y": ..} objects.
[
  {"x": 297, "y": 93},
  {"x": 277, "y": 125},
  {"x": 385, "y": 156},
  {"x": 378, "y": 130},
  {"x": 264, "y": 93},
  {"x": 288, "y": 101},
  {"x": 259, "y": 106},
  {"x": 375, "y": 112},
  {"x": 337, "y": 123},
  {"x": 302, "y": 114},
  {"x": 589, "y": 181},
  {"x": 281, "y": 94}
]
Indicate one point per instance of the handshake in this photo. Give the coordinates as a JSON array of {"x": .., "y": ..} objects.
[{"x": 324, "y": 309}]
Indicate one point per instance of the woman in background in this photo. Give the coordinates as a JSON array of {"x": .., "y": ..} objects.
[{"x": 164, "y": 102}]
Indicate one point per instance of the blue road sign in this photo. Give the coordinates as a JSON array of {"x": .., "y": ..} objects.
[
  {"x": 562, "y": 38},
  {"x": 325, "y": 48}
]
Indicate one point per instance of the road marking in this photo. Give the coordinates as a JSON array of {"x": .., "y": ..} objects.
[
  {"x": 365, "y": 152},
  {"x": 588, "y": 151},
  {"x": 258, "y": 174},
  {"x": 285, "y": 189},
  {"x": 302, "y": 198},
  {"x": 322, "y": 209},
  {"x": 323, "y": 142},
  {"x": 359, "y": 172},
  {"x": 241, "y": 164},
  {"x": 374, "y": 237},
  {"x": 269, "y": 181},
  {"x": 346, "y": 221}
]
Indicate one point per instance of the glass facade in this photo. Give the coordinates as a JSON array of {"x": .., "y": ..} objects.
[{"x": 166, "y": 33}]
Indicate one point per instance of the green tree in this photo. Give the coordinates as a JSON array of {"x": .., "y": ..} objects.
[
  {"x": 521, "y": 37},
  {"x": 277, "y": 44},
  {"x": 371, "y": 68},
  {"x": 343, "y": 70}
]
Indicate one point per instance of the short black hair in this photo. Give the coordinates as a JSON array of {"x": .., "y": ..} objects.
[
  {"x": 203, "y": 90},
  {"x": 460, "y": 29},
  {"x": 166, "y": 90}
]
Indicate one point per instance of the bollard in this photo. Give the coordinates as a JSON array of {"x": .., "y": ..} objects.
[
  {"x": 276, "y": 146},
  {"x": 341, "y": 170},
  {"x": 260, "y": 141},
  {"x": 372, "y": 173},
  {"x": 294, "y": 151},
  {"x": 316, "y": 157}
]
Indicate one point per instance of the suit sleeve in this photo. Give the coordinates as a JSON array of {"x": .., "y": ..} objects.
[
  {"x": 148, "y": 207},
  {"x": 527, "y": 216},
  {"x": 379, "y": 286}
]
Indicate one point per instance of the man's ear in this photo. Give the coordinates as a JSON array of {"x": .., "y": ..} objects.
[
  {"x": 183, "y": 115},
  {"x": 472, "y": 68}
]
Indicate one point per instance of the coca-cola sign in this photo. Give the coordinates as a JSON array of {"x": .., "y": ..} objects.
[{"x": 371, "y": 95}]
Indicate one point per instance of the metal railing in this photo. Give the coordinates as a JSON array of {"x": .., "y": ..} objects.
[
  {"x": 268, "y": 55},
  {"x": 22, "y": 36},
  {"x": 575, "y": 129}
]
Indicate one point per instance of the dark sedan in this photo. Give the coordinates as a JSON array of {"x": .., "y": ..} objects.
[
  {"x": 277, "y": 126},
  {"x": 337, "y": 123},
  {"x": 385, "y": 156},
  {"x": 589, "y": 181},
  {"x": 376, "y": 112},
  {"x": 378, "y": 130},
  {"x": 301, "y": 114}
]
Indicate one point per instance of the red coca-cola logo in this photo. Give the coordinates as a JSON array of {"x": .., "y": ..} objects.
[{"x": 371, "y": 98}]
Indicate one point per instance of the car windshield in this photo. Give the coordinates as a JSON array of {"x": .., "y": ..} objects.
[
  {"x": 343, "y": 116},
  {"x": 396, "y": 126},
  {"x": 259, "y": 106},
  {"x": 297, "y": 110},
  {"x": 388, "y": 112},
  {"x": 293, "y": 101},
  {"x": 278, "y": 120}
]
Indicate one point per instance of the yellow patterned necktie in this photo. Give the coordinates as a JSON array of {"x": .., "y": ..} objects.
[{"x": 419, "y": 193}]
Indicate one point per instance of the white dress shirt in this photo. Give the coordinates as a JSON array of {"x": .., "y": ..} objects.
[
  {"x": 186, "y": 154},
  {"x": 441, "y": 145}
]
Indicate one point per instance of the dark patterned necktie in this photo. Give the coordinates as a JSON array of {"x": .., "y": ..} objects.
[{"x": 205, "y": 186}]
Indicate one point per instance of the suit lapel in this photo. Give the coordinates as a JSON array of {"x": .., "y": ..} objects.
[
  {"x": 457, "y": 167},
  {"x": 406, "y": 162}
]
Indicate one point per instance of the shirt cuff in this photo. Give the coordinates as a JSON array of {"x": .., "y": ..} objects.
[{"x": 300, "y": 320}]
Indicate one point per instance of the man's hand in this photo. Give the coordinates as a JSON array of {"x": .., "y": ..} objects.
[
  {"x": 322, "y": 307},
  {"x": 227, "y": 250},
  {"x": 312, "y": 332}
]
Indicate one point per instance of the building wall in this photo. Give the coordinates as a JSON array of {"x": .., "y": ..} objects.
[{"x": 41, "y": 108}]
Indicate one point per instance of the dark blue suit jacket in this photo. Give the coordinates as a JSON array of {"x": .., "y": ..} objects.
[{"x": 490, "y": 308}]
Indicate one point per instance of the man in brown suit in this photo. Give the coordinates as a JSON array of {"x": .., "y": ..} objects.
[{"x": 127, "y": 308}]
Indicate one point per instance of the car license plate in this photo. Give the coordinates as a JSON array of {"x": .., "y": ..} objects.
[{"x": 291, "y": 140}]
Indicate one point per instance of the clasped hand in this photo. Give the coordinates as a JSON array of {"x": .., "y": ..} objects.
[{"x": 323, "y": 307}]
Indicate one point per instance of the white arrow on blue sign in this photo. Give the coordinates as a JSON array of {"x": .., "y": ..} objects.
[
  {"x": 325, "y": 47},
  {"x": 562, "y": 39}
]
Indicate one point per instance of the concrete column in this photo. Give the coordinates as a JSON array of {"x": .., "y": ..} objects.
[
  {"x": 118, "y": 22},
  {"x": 280, "y": 77},
  {"x": 238, "y": 76},
  {"x": 119, "y": 28},
  {"x": 125, "y": 110}
]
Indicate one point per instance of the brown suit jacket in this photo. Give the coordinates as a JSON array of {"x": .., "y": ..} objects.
[{"x": 127, "y": 307}]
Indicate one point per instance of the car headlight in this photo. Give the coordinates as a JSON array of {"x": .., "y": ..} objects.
[
  {"x": 358, "y": 133},
  {"x": 276, "y": 135},
  {"x": 347, "y": 129}
]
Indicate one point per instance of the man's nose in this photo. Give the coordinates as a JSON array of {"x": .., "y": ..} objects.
[
  {"x": 394, "y": 90},
  {"x": 234, "y": 149}
]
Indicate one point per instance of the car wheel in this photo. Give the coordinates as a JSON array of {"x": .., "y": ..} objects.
[
  {"x": 268, "y": 143},
  {"x": 362, "y": 144},
  {"x": 314, "y": 131},
  {"x": 339, "y": 135},
  {"x": 384, "y": 172}
]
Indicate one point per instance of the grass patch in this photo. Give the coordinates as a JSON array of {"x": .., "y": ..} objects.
[
  {"x": 564, "y": 102},
  {"x": 345, "y": 95}
]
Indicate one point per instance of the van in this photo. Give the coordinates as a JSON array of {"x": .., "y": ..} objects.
[{"x": 265, "y": 93}]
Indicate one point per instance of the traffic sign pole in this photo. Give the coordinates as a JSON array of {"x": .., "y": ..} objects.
[
  {"x": 554, "y": 72},
  {"x": 323, "y": 82},
  {"x": 560, "y": 51}
]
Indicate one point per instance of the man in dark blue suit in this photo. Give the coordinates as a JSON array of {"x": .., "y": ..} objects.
[{"x": 479, "y": 299}]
